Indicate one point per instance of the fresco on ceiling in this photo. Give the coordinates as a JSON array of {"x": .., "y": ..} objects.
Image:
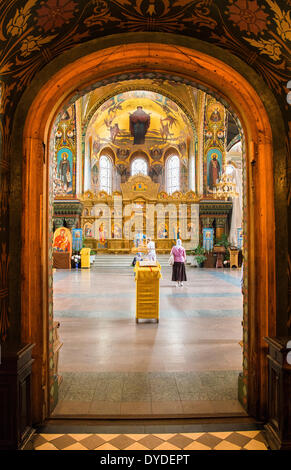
[
  {"x": 139, "y": 122},
  {"x": 140, "y": 118},
  {"x": 214, "y": 142},
  {"x": 65, "y": 154}
]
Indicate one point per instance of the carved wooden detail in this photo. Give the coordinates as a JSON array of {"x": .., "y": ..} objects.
[
  {"x": 15, "y": 397},
  {"x": 278, "y": 428}
]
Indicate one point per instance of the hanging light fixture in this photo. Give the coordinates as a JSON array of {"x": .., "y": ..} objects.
[{"x": 225, "y": 188}]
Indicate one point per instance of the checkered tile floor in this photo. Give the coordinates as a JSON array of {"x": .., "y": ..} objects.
[{"x": 238, "y": 440}]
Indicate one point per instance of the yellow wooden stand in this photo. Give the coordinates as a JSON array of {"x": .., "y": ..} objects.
[
  {"x": 147, "y": 291},
  {"x": 233, "y": 263},
  {"x": 85, "y": 257}
]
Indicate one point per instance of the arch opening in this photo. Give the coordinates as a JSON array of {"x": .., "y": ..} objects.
[{"x": 190, "y": 65}]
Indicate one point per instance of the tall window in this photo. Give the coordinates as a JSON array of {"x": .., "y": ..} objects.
[
  {"x": 105, "y": 174},
  {"x": 173, "y": 174},
  {"x": 139, "y": 167}
]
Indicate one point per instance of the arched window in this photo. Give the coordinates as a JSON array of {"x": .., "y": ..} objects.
[
  {"x": 105, "y": 166},
  {"x": 173, "y": 174},
  {"x": 139, "y": 167}
]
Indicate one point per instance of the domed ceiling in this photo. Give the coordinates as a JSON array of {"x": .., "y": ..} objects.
[{"x": 166, "y": 122}]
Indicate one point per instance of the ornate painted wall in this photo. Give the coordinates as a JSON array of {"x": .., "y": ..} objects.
[
  {"x": 34, "y": 32},
  {"x": 214, "y": 143},
  {"x": 110, "y": 127},
  {"x": 65, "y": 155}
]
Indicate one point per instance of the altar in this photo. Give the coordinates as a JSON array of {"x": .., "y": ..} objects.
[{"x": 112, "y": 223}]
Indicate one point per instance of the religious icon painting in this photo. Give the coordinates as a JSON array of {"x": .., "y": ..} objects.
[
  {"x": 62, "y": 240},
  {"x": 77, "y": 236},
  {"x": 88, "y": 231},
  {"x": 214, "y": 167},
  {"x": 239, "y": 238},
  {"x": 208, "y": 234},
  {"x": 139, "y": 122},
  {"x": 215, "y": 112},
  {"x": 190, "y": 230},
  {"x": 117, "y": 231},
  {"x": 162, "y": 231},
  {"x": 65, "y": 170}
]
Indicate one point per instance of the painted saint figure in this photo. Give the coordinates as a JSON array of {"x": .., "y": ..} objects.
[
  {"x": 139, "y": 122},
  {"x": 213, "y": 171},
  {"x": 62, "y": 242},
  {"x": 215, "y": 116},
  {"x": 64, "y": 172},
  {"x": 114, "y": 131},
  {"x": 101, "y": 233}
]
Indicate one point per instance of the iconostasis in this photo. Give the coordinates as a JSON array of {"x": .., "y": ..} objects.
[{"x": 178, "y": 138}]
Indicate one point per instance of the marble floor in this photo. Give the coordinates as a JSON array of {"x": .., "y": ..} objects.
[
  {"x": 186, "y": 365},
  {"x": 217, "y": 440}
]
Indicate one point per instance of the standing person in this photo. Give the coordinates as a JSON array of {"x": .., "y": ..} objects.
[
  {"x": 152, "y": 250},
  {"x": 179, "y": 271}
]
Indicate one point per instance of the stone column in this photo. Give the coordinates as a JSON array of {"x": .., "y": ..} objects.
[
  {"x": 87, "y": 169},
  {"x": 191, "y": 167},
  {"x": 78, "y": 147},
  {"x": 199, "y": 161}
]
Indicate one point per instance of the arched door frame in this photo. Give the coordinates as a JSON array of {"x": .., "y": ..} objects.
[{"x": 132, "y": 54}]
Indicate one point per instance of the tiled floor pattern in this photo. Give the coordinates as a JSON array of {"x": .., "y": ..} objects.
[
  {"x": 105, "y": 393},
  {"x": 227, "y": 440},
  {"x": 188, "y": 363}
]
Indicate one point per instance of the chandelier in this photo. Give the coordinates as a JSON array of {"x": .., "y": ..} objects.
[{"x": 225, "y": 188}]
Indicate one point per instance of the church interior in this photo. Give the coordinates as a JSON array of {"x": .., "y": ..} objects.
[
  {"x": 145, "y": 225},
  {"x": 192, "y": 143},
  {"x": 179, "y": 176}
]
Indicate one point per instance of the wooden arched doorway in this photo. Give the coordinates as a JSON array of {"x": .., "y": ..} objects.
[{"x": 128, "y": 55}]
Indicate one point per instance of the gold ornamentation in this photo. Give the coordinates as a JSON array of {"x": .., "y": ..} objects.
[
  {"x": 272, "y": 47},
  {"x": 101, "y": 15},
  {"x": 33, "y": 43},
  {"x": 129, "y": 193},
  {"x": 141, "y": 187},
  {"x": 225, "y": 188},
  {"x": 17, "y": 25},
  {"x": 283, "y": 21},
  {"x": 269, "y": 47}
]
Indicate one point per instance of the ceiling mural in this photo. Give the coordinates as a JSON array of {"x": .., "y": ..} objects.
[
  {"x": 183, "y": 95},
  {"x": 34, "y": 32},
  {"x": 140, "y": 117}
]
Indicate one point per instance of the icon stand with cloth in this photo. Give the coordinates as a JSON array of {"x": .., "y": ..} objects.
[{"x": 147, "y": 291}]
